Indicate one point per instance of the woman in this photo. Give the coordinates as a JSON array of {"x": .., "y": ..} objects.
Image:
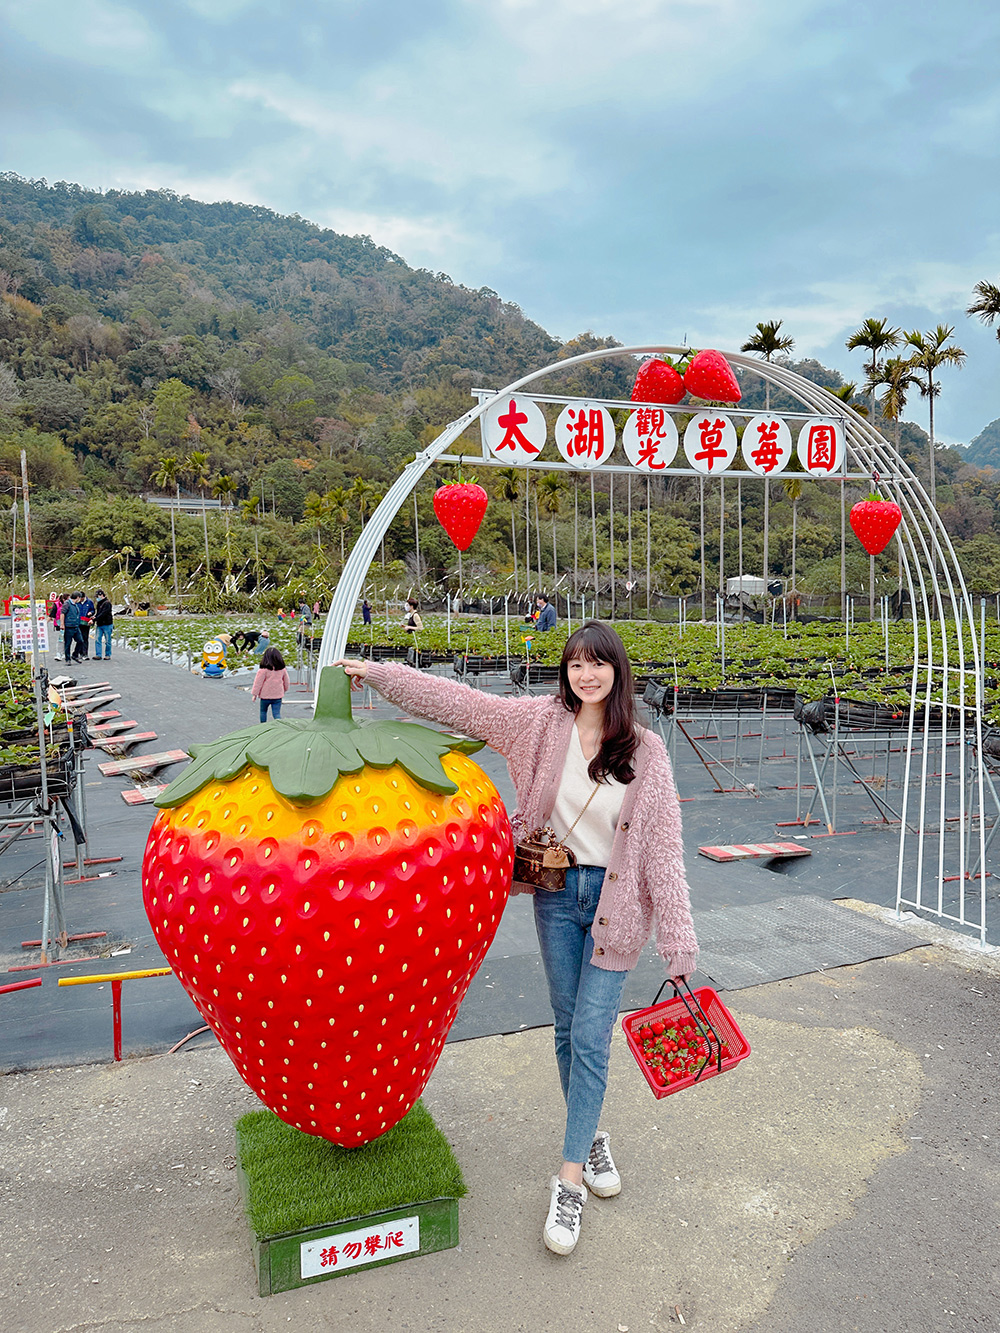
[
  {"x": 413, "y": 624},
  {"x": 270, "y": 684},
  {"x": 581, "y": 764}
]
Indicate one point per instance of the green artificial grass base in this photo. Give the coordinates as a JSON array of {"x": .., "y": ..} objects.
[{"x": 295, "y": 1181}]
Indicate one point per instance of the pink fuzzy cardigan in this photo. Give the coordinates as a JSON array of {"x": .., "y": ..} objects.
[{"x": 645, "y": 886}]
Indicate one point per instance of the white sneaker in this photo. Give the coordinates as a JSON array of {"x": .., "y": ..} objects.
[
  {"x": 562, "y": 1225},
  {"x": 600, "y": 1174}
]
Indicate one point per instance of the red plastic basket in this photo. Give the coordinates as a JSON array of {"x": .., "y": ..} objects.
[{"x": 711, "y": 1015}]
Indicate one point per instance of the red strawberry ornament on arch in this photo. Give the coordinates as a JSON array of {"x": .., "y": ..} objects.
[
  {"x": 874, "y": 522},
  {"x": 460, "y": 507},
  {"x": 709, "y": 376},
  {"x": 658, "y": 381}
]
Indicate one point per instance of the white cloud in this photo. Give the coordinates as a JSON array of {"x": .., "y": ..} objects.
[{"x": 100, "y": 32}]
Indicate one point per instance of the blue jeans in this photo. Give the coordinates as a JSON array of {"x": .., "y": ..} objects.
[
  {"x": 585, "y": 1001},
  {"x": 102, "y": 643},
  {"x": 72, "y": 643},
  {"x": 273, "y": 704}
]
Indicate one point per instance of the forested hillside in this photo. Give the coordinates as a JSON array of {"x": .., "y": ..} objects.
[{"x": 151, "y": 343}]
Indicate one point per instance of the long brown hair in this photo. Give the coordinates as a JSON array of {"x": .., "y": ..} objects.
[{"x": 597, "y": 642}]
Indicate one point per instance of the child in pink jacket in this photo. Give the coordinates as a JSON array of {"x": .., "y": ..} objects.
[{"x": 270, "y": 685}]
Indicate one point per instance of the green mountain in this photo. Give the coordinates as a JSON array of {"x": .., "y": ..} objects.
[
  {"x": 984, "y": 451},
  {"x": 152, "y": 343}
]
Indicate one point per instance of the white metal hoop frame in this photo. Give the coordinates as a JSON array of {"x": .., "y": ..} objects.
[{"x": 937, "y": 592}]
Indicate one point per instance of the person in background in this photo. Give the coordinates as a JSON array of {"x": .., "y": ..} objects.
[
  {"x": 86, "y": 620},
  {"x": 55, "y": 610},
  {"x": 413, "y": 624},
  {"x": 103, "y": 622},
  {"x": 315, "y": 610},
  {"x": 545, "y": 618},
  {"x": 366, "y": 612},
  {"x": 72, "y": 638},
  {"x": 270, "y": 685}
]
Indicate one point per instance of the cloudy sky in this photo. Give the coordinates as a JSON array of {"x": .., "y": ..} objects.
[{"x": 648, "y": 170}]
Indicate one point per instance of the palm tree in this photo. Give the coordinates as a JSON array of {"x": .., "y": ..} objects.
[
  {"x": 898, "y": 377},
  {"x": 766, "y": 342},
  {"x": 793, "y": 488},
  {"x": 874, "y": 335},
  {"x": 316, "y": 511},
  {"x": 931, "y": 352},
  {"x": 196, "y": 467},
  {"x": 896, "y": 374},
  {"x": 166, "y": 476},
  {"x": 550, "y": 489},
  {"x": 510, "y": 490},
  {"x": 361, "y": 493},
  {"x": 987, "y": 303},
  {"x": 224, "y": 488},
  {"x": 847, "y": 393},
  {"x": 339, "y": 501}
]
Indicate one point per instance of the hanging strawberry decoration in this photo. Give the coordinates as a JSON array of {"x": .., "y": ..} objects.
[
  {"x": 709, "y": 376},
  {"x": 325, "y": 893},
  {"x": 874, "y": 521},
  {"x": 658, "y": 381},
  {"x": 460, "y": 507}
]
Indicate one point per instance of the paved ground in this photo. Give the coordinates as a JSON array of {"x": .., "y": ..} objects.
[
  {"x": 56, "y": 1026},
  {"x": 845, "y": 1177}
]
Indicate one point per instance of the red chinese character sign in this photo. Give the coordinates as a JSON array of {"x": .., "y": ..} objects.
[
  {"x": 766, "y": 445},
  {"x": 650, "y": 439},
  {"x": 821, "y": 447},
  {"x": 585, "y": 434},
  {"x": 710, "y": 442},
  {"x": 514, "y": 429}
]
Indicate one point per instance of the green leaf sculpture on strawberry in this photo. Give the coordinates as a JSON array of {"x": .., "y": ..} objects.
[{"x": 325, "y": 892}]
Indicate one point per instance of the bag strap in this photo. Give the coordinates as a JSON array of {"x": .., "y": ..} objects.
[{"x": 581, "y": 814}]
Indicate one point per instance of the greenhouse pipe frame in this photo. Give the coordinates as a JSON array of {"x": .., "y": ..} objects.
[{"x": 924, "y": 546}]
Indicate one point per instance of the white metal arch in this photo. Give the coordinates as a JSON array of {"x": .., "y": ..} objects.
[{"x": 937, "y": 590}]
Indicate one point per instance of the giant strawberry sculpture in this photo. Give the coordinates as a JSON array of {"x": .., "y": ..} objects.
[{"x": 325, "y": 892}]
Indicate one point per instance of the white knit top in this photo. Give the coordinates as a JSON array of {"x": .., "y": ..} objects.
[{"x": 591, "y": 840}]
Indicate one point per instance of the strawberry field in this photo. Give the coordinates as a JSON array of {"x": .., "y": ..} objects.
[{"x": 813, "y": 659}]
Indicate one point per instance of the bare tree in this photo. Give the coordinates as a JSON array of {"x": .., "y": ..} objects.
[{"x": 228, "y": 384}]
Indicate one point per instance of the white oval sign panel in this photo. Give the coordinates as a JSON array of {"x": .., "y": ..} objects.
[
  {"x": 766, "y": 445},
  {"x": 820, "y": 447},
  {"x": 710, "y": 442},
  {"x": 514, "y": 429},
  {"x": 585, "y": 434},
  {"x": 650, "y": 439}
]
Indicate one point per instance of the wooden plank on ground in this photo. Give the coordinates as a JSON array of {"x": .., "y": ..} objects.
[
  {"x": 144, "y": 794},
  {"x": 109, "y": 728},
  {"x": 143, "y": 763},
  {"x": 91, "y": 687},
  {"x": 122, "y": 742},
  {"x": 744, "y": 851},
  {"x": 106, "y": 716},
  {"x": 81, "y": 705}
]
